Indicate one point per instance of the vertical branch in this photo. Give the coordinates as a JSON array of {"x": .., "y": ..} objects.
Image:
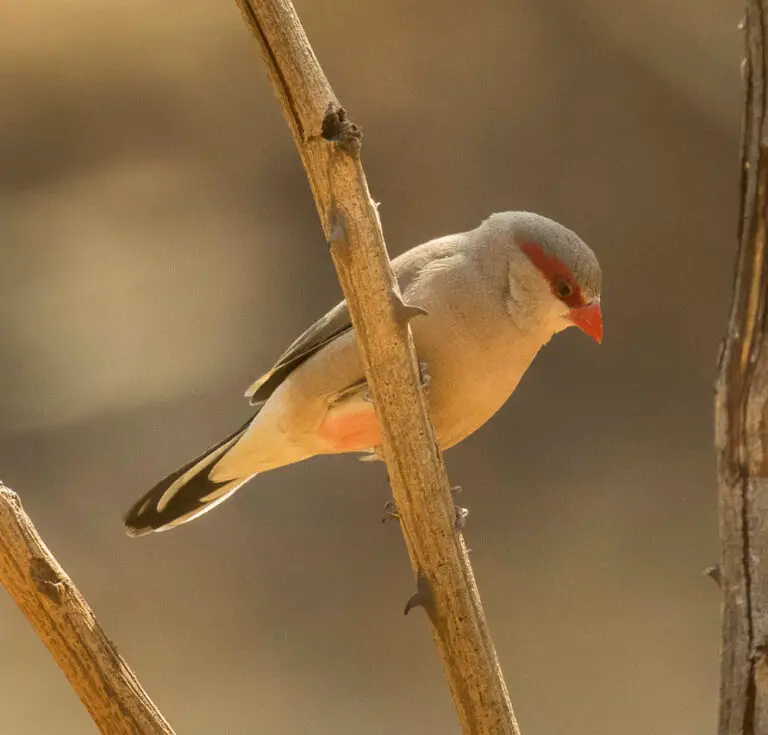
[
  {"x": 329, "y": 146},
  {"x": 66, "y": 625},
  {"x": 740, "y": 422}
]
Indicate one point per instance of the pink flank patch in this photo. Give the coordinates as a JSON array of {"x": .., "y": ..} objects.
[{"x": 351, "y": 428}]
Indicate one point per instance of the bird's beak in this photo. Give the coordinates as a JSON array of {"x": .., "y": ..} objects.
[{"x": 589, "y": 319}]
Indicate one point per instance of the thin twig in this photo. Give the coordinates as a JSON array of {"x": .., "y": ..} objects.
[
  {"x": 67, "y": 626},
  {"x": 329, "y": 146}
]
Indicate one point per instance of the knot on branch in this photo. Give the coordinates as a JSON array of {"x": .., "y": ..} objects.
[
  {"x": 10, "y": 497},
  {"x": 339, "y": 129},
  {"x": 46, "y": 578}
]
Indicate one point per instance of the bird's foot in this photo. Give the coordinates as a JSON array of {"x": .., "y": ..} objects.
[
  {"x": 461, "y": 518},
  {"x": 390, "y": 512}
]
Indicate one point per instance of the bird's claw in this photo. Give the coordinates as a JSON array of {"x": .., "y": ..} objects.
[
  {"x": 461, "y": 518},
  {"x": 390, "y": 512}
]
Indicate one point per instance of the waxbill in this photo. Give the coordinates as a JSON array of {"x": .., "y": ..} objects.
[{"x": 493, "y": 297}]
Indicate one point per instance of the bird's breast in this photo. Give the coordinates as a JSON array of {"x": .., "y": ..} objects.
[{"x": 473, "y": 369}]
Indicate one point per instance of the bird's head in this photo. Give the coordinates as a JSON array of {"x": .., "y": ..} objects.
[{"x": 554, "y": 278}]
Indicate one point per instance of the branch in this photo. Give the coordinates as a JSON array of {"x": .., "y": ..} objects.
[
  {"x": 419, "y": 482},
  {"x": 740, "y": 423},
  {"x": 66, "y": 625}
]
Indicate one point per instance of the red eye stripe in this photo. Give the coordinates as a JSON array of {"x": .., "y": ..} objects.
[{"x": 554, "y": 271}]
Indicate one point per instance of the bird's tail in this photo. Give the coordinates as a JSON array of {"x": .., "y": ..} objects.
[{"x": 186, "y": 493}]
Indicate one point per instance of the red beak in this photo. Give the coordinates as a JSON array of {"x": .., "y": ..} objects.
[{"x": 589, "y": 319}]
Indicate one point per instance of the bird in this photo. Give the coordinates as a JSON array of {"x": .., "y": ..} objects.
[{"x": 491, "y": 298}]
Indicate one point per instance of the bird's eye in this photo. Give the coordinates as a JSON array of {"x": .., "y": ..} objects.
[{"x": 563, "y": 289}]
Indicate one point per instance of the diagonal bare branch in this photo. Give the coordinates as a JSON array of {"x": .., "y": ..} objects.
[
  {"x": 67, "y": 626},
  {"x": 329, "y": 146}
]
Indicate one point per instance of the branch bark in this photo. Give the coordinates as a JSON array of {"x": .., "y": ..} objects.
[
  {"x": 67, "y": 626},
  {"x": 329, "y": 147},
  {"x": 740, "y": 422}
]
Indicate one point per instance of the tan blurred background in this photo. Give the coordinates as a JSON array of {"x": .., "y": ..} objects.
[{"x": 160, "y": 248}]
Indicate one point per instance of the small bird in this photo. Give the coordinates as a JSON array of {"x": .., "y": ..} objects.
[{"x": 492, "y": 297}]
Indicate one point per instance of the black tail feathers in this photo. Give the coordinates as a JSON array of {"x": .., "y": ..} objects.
[{"x": 184, "y": 494}]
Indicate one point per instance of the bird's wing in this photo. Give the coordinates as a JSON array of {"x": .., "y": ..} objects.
[{"x": 337, "y": 321}]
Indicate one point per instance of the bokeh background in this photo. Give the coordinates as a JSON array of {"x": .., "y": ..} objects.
[{"x": 160, "y": 248}]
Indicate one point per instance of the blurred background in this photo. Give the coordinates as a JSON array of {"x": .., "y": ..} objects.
[{"x": 160, "y": 248}]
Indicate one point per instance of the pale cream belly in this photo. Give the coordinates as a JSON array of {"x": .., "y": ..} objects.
[
  {"x": 470, "y": 380},
  {"x": 468, "y": 384}
]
